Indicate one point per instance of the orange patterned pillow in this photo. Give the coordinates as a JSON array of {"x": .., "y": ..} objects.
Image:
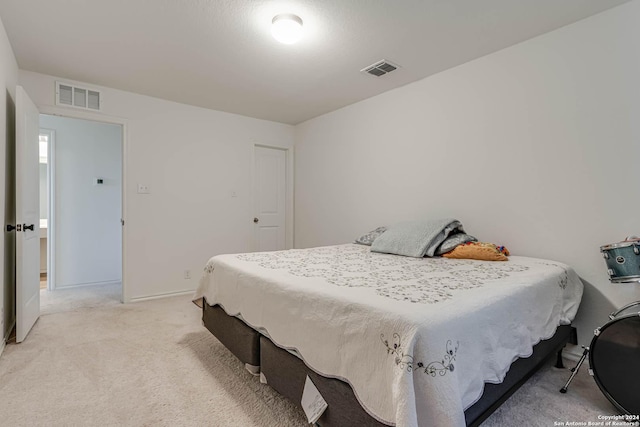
[{"x": 479, "y": 250}]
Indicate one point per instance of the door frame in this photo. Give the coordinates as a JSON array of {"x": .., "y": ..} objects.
[
  {"x": 50, "y": 207},
  {"x": 83, "y": 115},
  {"x": 288, "y": 216}
]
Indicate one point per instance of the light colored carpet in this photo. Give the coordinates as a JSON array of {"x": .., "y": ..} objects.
[
  {"x": 81, "y": 297},
  {"x": 92, "y": 361}
]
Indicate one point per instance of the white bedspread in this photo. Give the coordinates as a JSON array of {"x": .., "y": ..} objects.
[{"x": 416, "y": 338}]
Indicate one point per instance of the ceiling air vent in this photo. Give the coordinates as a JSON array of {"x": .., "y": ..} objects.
[
  {"x": 78, "y": 97},
  {"x": 380, "y": 68}
]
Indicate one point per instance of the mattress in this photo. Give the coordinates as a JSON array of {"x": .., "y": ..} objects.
[{"x": 415, "y": 338}]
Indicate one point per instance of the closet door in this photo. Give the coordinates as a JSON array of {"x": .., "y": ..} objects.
[{"x": 270, "y": 185}]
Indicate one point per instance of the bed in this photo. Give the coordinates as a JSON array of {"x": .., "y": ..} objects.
[{"x": 387, "y": 339}]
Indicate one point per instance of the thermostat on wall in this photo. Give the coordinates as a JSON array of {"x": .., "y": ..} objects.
[{"x": 98, "y": 181}]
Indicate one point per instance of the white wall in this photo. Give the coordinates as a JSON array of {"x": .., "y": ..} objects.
[
  {"x": 8, "y": 81},
  {"x": 88, "y": 244},
  {"x": 534, "y": 147},
  {"x": 192, "y": 159}
]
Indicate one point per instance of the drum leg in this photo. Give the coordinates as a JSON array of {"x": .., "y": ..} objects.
[{"x": 575, "y": 370}]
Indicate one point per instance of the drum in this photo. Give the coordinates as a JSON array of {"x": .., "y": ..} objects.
[
  {"x": 623, "y": 260},
  {"x": 614, "y": 358}
]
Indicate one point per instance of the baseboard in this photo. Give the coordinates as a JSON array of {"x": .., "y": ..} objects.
[
  {"x": 165, "y": 295},
  {"x": 80, "y": 285},
  {"x": 572, "y": 352}
]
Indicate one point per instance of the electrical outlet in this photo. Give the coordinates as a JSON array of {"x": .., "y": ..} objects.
[
  {"x": 143, "y": 189},
  {"x": 187, "y": 274}
]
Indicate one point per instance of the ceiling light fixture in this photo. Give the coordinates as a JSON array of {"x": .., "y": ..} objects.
[{"x": 286, "y": 28}]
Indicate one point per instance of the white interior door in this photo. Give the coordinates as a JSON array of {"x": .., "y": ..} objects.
[
  {"x": 27, "y": 215},
  {"x": 270, "y": 199}
]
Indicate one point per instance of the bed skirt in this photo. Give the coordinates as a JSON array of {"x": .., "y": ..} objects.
[{"x": 286, "y": 373}]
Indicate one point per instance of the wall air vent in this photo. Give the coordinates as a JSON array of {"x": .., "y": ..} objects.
[
  {"x": 78, "y": 97},
  {"x": 380, "y": 68}
]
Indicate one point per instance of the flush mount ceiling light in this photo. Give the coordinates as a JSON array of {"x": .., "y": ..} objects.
[{"x": 286, "y": 28}]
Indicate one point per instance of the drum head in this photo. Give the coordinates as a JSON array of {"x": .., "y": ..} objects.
[{"x": 613, "y": 357}]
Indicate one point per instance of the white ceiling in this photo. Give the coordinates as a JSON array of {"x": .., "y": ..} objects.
[{"x": 219, "y": 54}]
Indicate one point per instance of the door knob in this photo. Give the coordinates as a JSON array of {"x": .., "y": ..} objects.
[{"x": 256, "y": 220}]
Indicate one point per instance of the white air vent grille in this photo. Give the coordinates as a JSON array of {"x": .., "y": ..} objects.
[
  {"x": 380, "y": 68},
  {"x": 78, "y": 97}
]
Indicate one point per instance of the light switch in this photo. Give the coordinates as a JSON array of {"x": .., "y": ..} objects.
[{"x": 143, "y": 189}]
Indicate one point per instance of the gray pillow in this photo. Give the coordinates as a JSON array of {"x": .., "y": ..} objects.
[
  {"x": 368, "y": 238},
  {"x": 452, "y": 241}
]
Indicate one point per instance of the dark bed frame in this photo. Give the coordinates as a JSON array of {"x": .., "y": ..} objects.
[{"x": 286, "y": 373}]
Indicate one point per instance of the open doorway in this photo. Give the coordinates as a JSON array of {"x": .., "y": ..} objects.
[
  {"x": 81, "y": 164},
  {"x": 45, "y": 141}
]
